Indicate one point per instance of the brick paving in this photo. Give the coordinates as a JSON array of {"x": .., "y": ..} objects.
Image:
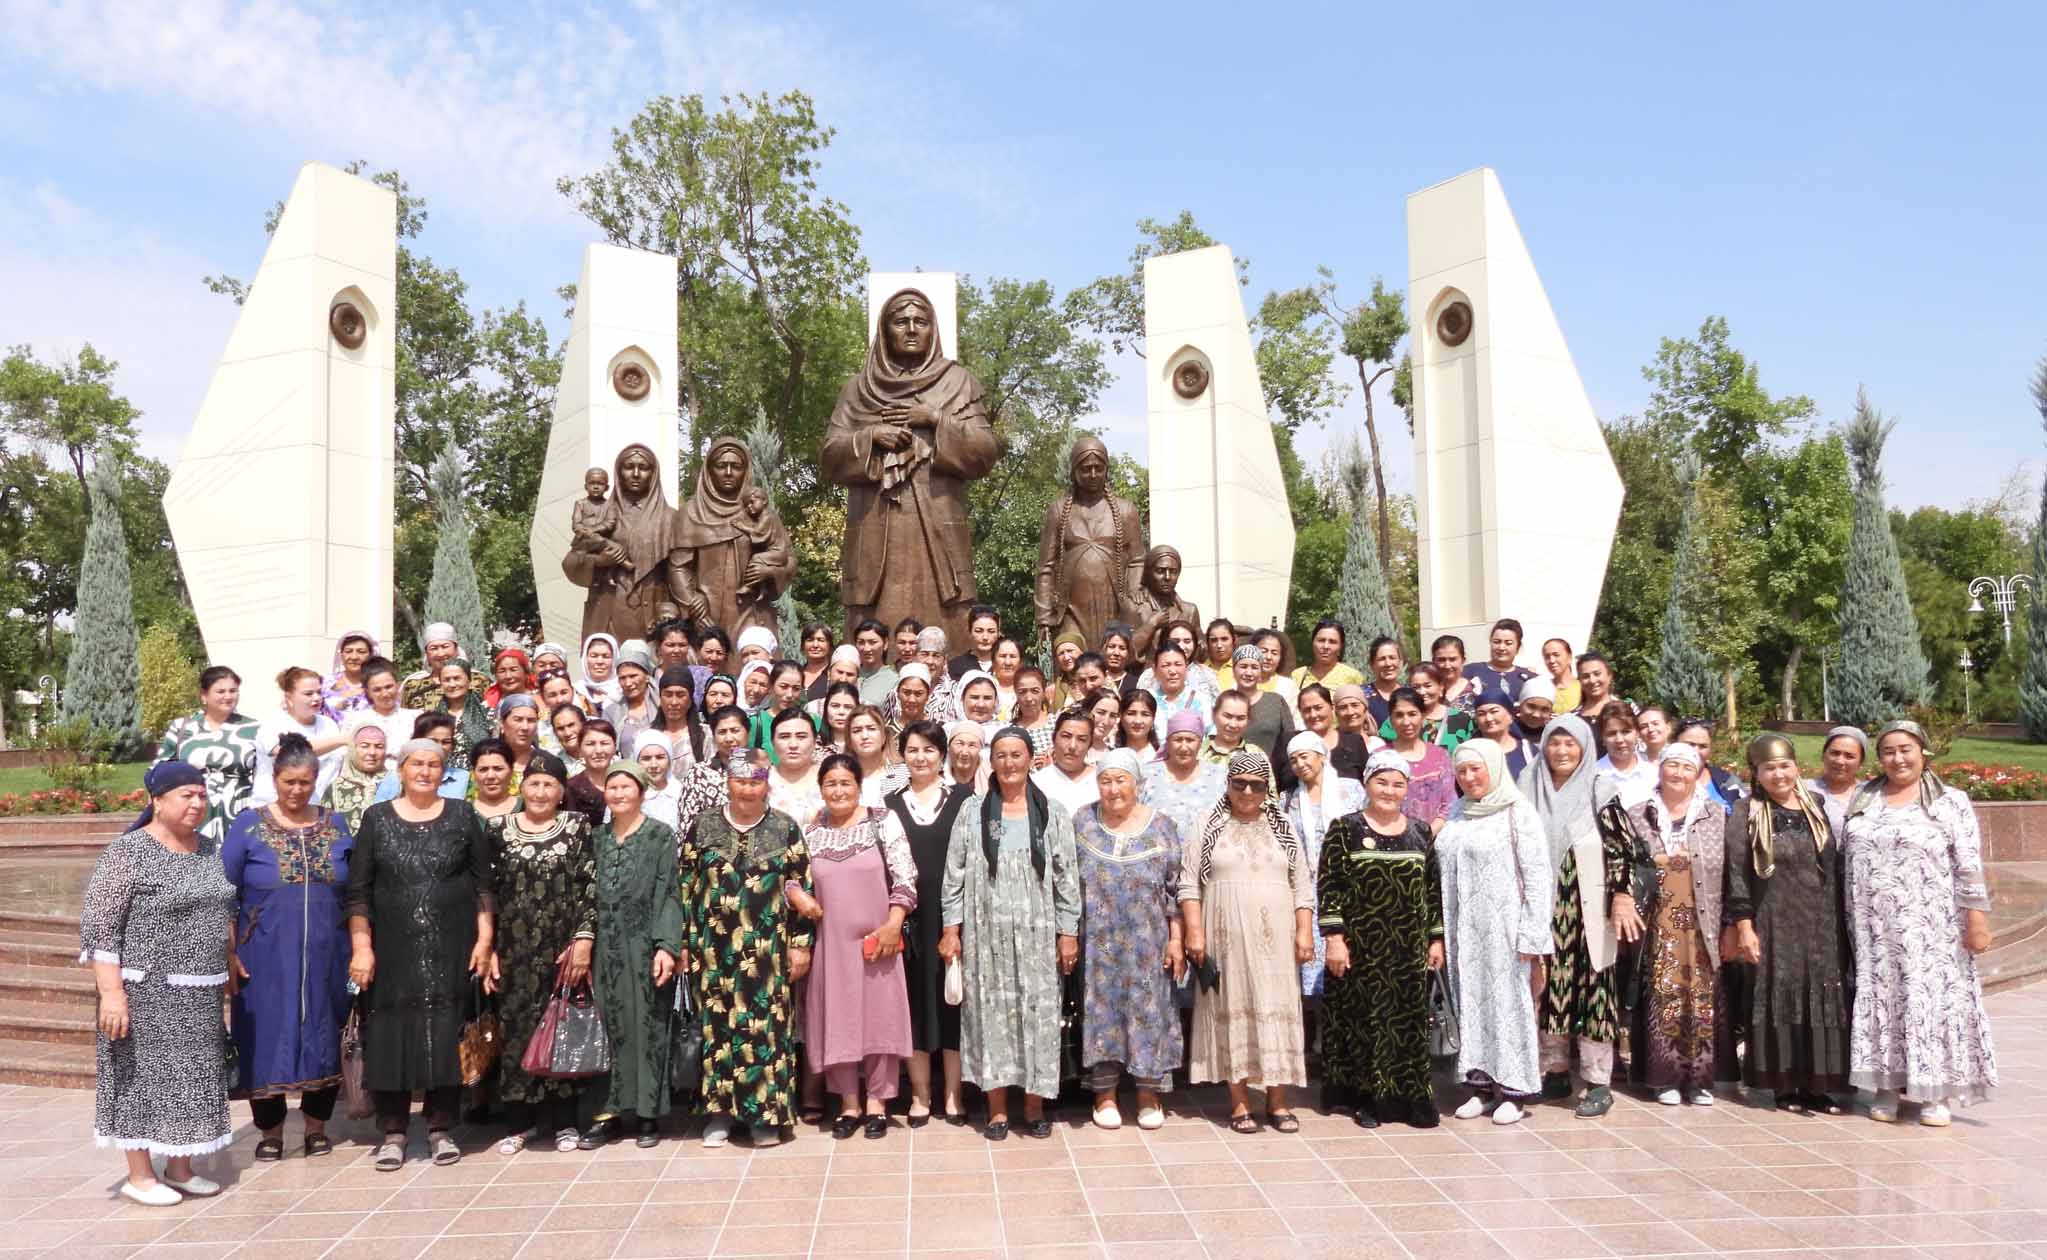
[{"x": 1648, "y": 1180}]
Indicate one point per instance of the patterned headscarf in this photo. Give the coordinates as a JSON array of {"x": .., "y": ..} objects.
[
  {"x": 1120, "y": 759},
  {"x": 1388, "y": 761},
  {"x": 1930, "y": 786},
  {"x": 1566, "y": 809},
  {"x": 1770, "y": 746},
  {"x": 1246, "y": 763},
  {"x": 1501, "y": 795}
]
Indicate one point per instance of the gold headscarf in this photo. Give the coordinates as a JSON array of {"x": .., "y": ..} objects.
[{"x": 1771, "y": 746}]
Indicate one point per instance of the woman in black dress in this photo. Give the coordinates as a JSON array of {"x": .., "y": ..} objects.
[
  {"x": 1784, "y": 916},
  {"x": 927, "y": 809},
  {"x": 420, "y": 917}
]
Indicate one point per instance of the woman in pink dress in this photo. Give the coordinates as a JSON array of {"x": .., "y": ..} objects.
[{"x": 857, "y": 1017}]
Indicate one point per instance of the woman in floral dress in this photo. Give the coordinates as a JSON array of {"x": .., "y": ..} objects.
[
  {"x": 547, "y": 924},
  {"x": 1671, "y": 1028},
  {"x": 1919, "y": 913},
  {"x": 221, "y": 742},
  {"x": 1131, "y": 950}
]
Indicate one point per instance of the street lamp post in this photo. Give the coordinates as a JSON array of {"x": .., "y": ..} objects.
[
  {"x": 1968, "y": 714},
  {"x": 2004, "y": 596}
]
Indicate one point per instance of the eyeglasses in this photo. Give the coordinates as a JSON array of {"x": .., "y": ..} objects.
[{"x": 1247, "y": 785}]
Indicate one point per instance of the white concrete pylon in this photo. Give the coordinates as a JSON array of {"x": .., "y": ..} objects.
[
  {"x": 624, "y": 320},
  {"x": 280, "y": 502},
  {"x": 1516, "y": 494},
  {"x": 1217, "y": 493}
]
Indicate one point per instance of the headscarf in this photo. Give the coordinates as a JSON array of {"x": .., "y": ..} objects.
[
  {"x": 709, "y": 518},
  {"x": 353, "y": 788},
  {"x": 164, "y": 778},
  {"x": 544, "y": 762},
  {"x": 1494, "y": 696},
  {"x": 1770, "y": 746},
  {"x": 644, "y": 526},
  {"x": 1566, "y": 810},
  {"x": 677, "y": 676},
  {"x": 1247, "y": 763},
  {"x": 1037, "y": 808},
  {"x": 1308, "y": 742},
  {"x": 651, "y": 738},
  {"x": 1120, "y": 759},
  {"x": 1247, "y": 652},
  {"x": 748, "y": 763},
  {"x": 1861, "y": 740},
  {"x": 437, "y": 632},
  {"x": 1186, "y": 721},
  {"x": 474, "y": 724},
  {"x": 420, "y": 745},
  {"x": 917, "y": 670},
  {"x": 633, "y": 652},
  {"x": 1930, "y": 786},
  {"x": 931, "y": 639},
  {"x": 519, "y": 701},
  {"x": 1674, "y": 751},
  {"x": 632, "y": 770},
  {"x": 755, "y": 636},
  {"x": 1348, "y": 691},
  {"x": 850, "y": 655},
  {"x": 953, "y": 730},
  {"x": 550, "y": 649},
  {"x": 1503, "y": 794},
  {"x": 1387, "y": 761},
  {"x": 606, "y": 690},
  {"x": 1539, "y": 688},
  {"x": 517, "y": 654},
  {"x": 1071, "y": 636},
  {"x": 739, "y": 687},
  {"x": 959, "y": 688},
  {"x": 870, "y": 398}
]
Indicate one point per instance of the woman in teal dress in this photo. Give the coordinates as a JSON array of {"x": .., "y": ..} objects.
[
  {"x": 221, "y": 742},
  {"x": 639, "y": 937}
]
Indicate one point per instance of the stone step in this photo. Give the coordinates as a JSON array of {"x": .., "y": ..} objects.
[
  {"x": 53, "y": 1022},
  {"x": 36, "y": 950},
  {"x": 65, "y": 986},
  {"x": 42, "y": 1063}
]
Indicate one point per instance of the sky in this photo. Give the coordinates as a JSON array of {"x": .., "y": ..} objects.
[{"x": 1857, "y": 189}]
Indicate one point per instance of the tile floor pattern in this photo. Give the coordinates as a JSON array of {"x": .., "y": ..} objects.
[{"x": 1647, "y": 1181}]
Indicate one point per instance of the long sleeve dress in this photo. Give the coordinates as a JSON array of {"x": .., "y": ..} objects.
[
  {"x": 547, "y": 899},
  {"x": 420, "y": 885},
  {"x": 225, "y": 754},
  {"x": 164, "y": 918},
  {"x": 291, "y": 934},
  {"x": 1672, "y": 1021},
  {"x": 934, "y": 1022},
  {"x": 1129, "y": 894},
  {"x": 637, "y": 913},
  {"x": 1384, "y": 895},
  {"x": 1248, "y": 1029},
  {"x": 856, "y": 1009},
  {"x": 1798, "y": 1011},
  {"x": 1009, "y": 918},
  {"x": 738, "y": 929},
  {"x": 1497, "y": 890},
  {"x": 1919, "y": 1025},
  {"x": 1582, "y": 998}
]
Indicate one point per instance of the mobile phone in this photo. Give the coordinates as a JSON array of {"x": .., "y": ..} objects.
[{"x": 870, "y": 944}]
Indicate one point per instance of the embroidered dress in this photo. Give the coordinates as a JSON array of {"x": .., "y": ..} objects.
[
  {"x": 227, "y": 756},
  {"x": 1581, "y": 999},
  {"x": 934, "y": 1022},
  {"x": 1671, "y": 1026},
  {"x": 1310, "y": 820},
  {"x": 291, "y": 936},
  {"x": 1919, "y": 1024},
  {"x": 738, "y": 928},
  {"x": 1129, "y": 901},
  {"x": 547, "y": 899},
  {"x": 1249, "y": 885},
  {"x": 637, "y": 913},
  {"x": 164, "y": 917},
  {"x": 351, "y": 793},
  {"x": 1009, "y": 918},
  {"x": 1497, "y": 889},
  {"x": 856, "y": 1010},
  {"x": 1384, "y": 895},
  {"x": 1797, "y": 1013}
]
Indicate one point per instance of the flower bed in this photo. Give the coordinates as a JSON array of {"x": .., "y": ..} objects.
[
  {"x": 70, "y": 801},
  {"x": 1993, "y": 783}
]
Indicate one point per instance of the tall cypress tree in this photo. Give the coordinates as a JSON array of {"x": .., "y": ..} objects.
[
  {"x": 103, "y": 681},
  {"x": 1883, "y": 668},
  {"x": 2033, "y": 682},
  {"x": 1685, "y": 677},
  {"x": 1362, "y": 604},
  {"x": 452, "y": 595}
]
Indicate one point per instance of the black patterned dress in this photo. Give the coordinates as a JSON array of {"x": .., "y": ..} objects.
[
  {"x": 547, "y": 898},
  {"x": 637, "y": 913},
  {"x": 1580, "y": 1000},
  {"x": 1384, "y": 895},
  {"x": 1797, "y": 1009},
  {"x": 738, "y": 930}
]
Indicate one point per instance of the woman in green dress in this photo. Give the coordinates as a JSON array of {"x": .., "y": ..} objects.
[
  {"x": 743, "y": 868},
  {"x": 547, "y": 922},
  {"x": 222, "y": 743},
  {"x": 639, "y": 937}
]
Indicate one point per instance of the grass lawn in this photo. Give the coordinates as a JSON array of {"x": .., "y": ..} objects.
[
  {"x": 1984, "y": 752},
  {"x": 125, "y": 778}
]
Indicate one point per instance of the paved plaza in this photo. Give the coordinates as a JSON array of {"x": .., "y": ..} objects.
[{"x": 1648, "y": 1180}]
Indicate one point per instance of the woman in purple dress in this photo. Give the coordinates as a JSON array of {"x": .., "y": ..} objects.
[
  {"x": 1431, "y": 783},
  {"x": 857, "y": 1021}
]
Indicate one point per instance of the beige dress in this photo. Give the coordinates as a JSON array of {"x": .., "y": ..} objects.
[{"x": 1248, "y": 1028}]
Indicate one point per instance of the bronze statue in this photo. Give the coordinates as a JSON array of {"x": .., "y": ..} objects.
[
  {"x": 909, "y": 432},
  {"x": 1090, "y": 552},
  {"x": 1157, "y": 601},
  {"x": 730, "y": 551},
  {"x": 629, "y": 576}
]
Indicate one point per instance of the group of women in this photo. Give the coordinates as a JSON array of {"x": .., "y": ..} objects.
[{"x": 837, "y": 898}]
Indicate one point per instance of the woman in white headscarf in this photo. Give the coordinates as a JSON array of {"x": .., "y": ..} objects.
[
  {"x": 600, "y": 684},
  {"x": 1497, "y": 889},
  {"x": 1594, "y": 913},
  {"x": 1677, "y": 970},
  {"x": 1317, "y": 799}
]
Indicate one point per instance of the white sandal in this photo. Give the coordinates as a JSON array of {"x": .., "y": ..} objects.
[
  {"x": 1107, "y": 1117},
  {"x": 512, "y": 1144},
  {"x": 565, "y": 1140}
]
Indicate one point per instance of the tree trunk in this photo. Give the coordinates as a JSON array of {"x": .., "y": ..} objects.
[
  {"x": 1727, "y": 676},
  {"x": 1786, "y": 696},
  {"x": 1379, "y": 487}
]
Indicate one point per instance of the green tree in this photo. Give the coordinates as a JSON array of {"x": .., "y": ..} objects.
[
  {"x": 1685, "y": 677},
  {"x": 452, "y": 596},
  {"x": 170, "y": 678},
  {"x": 1883, "y": 668},
  {"x": 1627, "y": 628},
  {"x": 1296, "y": 348},
  {"x": 104, "y": 682},
  {"x": 1362, "y": 601},
  {"x": 69, "y": 406},
  {"x": 2033, "y": 691},
  {"x": 1113, "y": 306},
  {"x": 1800, "y": 508},
  {"x": 1372, "y": 332}
]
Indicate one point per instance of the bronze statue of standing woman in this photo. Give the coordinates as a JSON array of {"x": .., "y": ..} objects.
[
  {"x": 732, "y": 555},
  {"x": 909, "y": 432},
  {"x": 631, "y": 581},
  {"x": 1090, "y": 552}
]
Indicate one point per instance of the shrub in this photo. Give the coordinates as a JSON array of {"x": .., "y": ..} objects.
[{"x": 169, "y": 679}]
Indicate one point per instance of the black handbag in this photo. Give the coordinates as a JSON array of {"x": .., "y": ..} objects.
[
  {"x": 1444, "y": 1039},
  {"x": 686, "y": 1043}
]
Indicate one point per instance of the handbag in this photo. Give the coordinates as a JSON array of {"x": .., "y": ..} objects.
[
  {"x": 480, "y": 1039},
  {"x": 571, "y": 1041},
  {"x": 685, "y": 1043},
  {"x": 356, "y": 1099},
  {"x": 955, "y": 983},
  {"x": 1444, "y": 1039}
]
